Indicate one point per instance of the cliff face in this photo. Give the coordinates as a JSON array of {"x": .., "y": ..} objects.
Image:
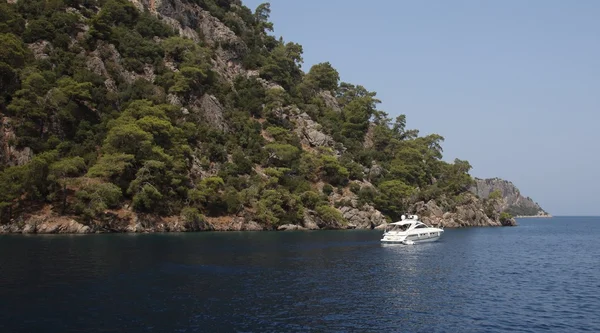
[
  {"x": 217, "y": 130},
  {"x": 472, "y": 211},
  {"x": 512, "y": 200}
]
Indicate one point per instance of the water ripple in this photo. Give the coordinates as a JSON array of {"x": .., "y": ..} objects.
[{"x": 539, "y": 277}]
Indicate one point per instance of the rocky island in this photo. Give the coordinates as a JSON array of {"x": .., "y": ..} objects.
[{"x": 181, "y": 115}]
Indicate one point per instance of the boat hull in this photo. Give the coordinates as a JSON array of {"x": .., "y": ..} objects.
[
  {"x": 397, "y": 240},
  {"x": 415, "y": 238}
]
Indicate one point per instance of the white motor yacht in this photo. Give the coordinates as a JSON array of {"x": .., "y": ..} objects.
[{"x": 410, "y": 231}]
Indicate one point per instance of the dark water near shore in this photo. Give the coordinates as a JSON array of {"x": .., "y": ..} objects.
[{"x": 542, "y": 276}]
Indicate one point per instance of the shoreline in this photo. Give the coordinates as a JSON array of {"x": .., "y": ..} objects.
[
  {"x": 533, "y": 217},
  {"x": 13, "y": 230}
]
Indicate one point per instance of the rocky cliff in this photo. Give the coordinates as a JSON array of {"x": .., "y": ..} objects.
[
  {"x": 512, "y": 200},
  {"x": 469, "y": 212}
]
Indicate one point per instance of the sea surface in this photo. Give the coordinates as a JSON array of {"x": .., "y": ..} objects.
[{"x": 542, "y": 276}]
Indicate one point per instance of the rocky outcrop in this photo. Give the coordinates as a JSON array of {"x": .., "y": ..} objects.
[
  {"x": 255, "y": 74},
  {"x": 189, "y": 19},
  {"x": 208, "y": 109},
  {"x": 358, "y": 216},
  {"x": 107, "y": 56},
  {"x": 369, "y": 136},
  {"x": 512, "y": 200},
  {"x": 330, "y": 101},
  {"x": 310, "y": 220},
  {"x": 290, "y": 227},
  {"x": 10, "y": 155},
  {"x": 310, "y": 133},
  {"x": 374, "y": 171},
  {"x": 58, "y": 226},
  {"x": 365, "y": 217},
  {"x": 313, "y": 221},
  {"x": 233, "y": 223},
  {"x": 470, "y": 213},
  {"x": 46, "y": 224},
  {"x": 40, "y": 49}
]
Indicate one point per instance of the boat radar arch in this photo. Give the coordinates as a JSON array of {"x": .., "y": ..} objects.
[{"x": 409, "y": 217}]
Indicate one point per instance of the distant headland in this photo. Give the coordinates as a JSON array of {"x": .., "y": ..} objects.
[{"x": 513, "y": 202}]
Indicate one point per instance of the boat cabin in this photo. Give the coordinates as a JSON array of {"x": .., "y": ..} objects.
[
  {"x": 408, "y": 223},
  {"x": 405, "y": 226}
]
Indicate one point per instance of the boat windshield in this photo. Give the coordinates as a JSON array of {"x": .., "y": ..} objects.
[{"x": 403, "y": 227}]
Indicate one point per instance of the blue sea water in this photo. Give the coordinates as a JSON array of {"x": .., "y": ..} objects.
[{"x": 542, "y": 276}]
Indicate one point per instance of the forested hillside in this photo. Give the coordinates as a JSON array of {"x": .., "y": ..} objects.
[{"x": 166, "y": 115}]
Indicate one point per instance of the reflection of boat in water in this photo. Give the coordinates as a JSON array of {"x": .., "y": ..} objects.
[{"x": 409, "y": 231}]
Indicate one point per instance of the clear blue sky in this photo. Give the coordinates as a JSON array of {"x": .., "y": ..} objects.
[{"x": 513, "y": 86}]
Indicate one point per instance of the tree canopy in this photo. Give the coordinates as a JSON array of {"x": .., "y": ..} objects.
[{"x": 120, "y": 110}]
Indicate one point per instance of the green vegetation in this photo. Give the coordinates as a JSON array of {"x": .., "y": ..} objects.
[
  {"x": 495, "y": 195},
  {"x": 330, "y": 215},
  {"x": 89, "y": 87},
  {"x": 522, "y": 211},
  {"x": 505, "y": 217}
]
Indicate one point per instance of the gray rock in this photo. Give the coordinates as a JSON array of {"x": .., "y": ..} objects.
[
  {"x": 95, "y": 65},
  {"x": 434, "y": 208},
  {"x": 375, "y": 171},
  {"x": 29, "y": 229},
  {"x": 10, "y": 155},
  {"x": 193, "y": 22},
  {"x": 360, "y": 217},
  {"x": 330, "y": 101},
  {"x": 170, "y": 65},
  {"x": 208, "y": 109},
  {"x": 366, "y": 217},
  {"x": 310, "y": 133},
  {"x": 290, "y": 227},
  {"x": 470, "y": 213},
  {"x": 106, "y": 53},
  {"x": 236, "y": 223},
  {"x": 56, "y": 225},
  {"x": 310, "y": 220},
  {"x": 252, "y": 226},
  {"x": 368, "y": 141},
  {"x": 40, "y": 48},
  {"x": 381, "y": 226},
  {"x": 110, "y": 84},
  {"x": 11, "y": 228},
  {"x": 512, "y": 200},
  {"x": 174, "y": 100},
  {"x": 135, "y": 227},
  {"x": 268, "y": 84}
]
